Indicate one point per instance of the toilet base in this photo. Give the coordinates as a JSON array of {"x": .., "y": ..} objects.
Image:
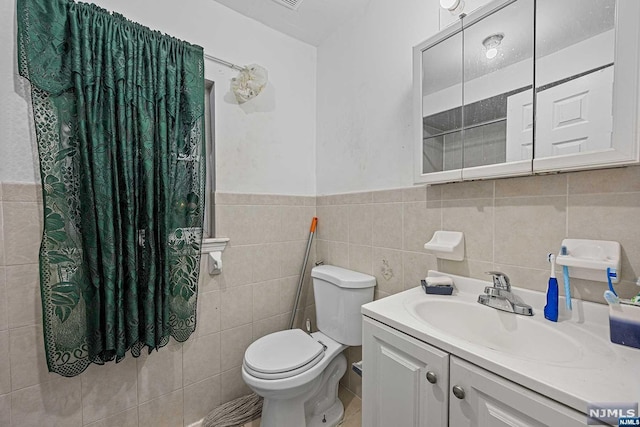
[
  {"x": 317, "y": 401},
  {"x": 329, "y": 418}
]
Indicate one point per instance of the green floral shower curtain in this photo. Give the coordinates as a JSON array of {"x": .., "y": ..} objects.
[{"x": 118, "y": 112}]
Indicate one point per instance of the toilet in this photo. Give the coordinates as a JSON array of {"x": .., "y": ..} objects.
[{"x": 297, "y": 373}]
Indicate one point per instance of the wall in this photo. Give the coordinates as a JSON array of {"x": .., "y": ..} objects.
[
  {"x": 510, "y": 225},
  {"x": 365, "y": 97},
  {"x": 264, "y": 146},
  {"x": 181, "y": 383},
  {"x": 17, "y": 153}
]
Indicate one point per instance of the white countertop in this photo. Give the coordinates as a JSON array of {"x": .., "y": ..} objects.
[{"x": 602, "y": 372}]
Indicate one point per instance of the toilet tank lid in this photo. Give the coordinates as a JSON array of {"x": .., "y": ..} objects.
[{"x": 343, "y": 277}]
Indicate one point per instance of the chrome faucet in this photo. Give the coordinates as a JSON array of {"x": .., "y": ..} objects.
[{"x": 499, "y": 296}]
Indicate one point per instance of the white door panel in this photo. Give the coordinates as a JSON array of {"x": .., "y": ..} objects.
[{"x": 575, "y": 116}]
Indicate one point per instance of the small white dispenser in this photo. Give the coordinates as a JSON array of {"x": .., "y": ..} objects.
[
  {"x": 589, "y": 259},
  {"x": 447, "y": 245},
  {"x": 213, "y": 248}
]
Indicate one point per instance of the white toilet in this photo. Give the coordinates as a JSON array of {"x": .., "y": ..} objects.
[{"x": 297, "y": 373}]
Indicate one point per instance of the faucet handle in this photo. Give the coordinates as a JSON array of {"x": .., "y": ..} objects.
[{"x": 500, "y": 280}]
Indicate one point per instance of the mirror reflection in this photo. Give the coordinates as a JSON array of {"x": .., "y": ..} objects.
[
  {"x": 442, "y": 105},
  {"x": 498, "y": 74},
  {"x": 477, "y": 92},
  {"x": 575, "y": 46}
]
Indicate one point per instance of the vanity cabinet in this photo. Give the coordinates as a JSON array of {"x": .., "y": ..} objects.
[{"x": 409, "y": 383}]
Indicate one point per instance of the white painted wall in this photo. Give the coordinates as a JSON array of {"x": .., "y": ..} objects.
[
  {"x": 17, "y": 153},
  {"x": 264, "y": 146},
  {"x": 365, "y": 97}
]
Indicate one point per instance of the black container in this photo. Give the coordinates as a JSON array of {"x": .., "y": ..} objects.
[{"x": 436, "y": 290}]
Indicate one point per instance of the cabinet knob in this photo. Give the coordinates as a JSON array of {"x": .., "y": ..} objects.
[
  {"x": 458, "y": 392},
  {"x": 432, "y": 377}
]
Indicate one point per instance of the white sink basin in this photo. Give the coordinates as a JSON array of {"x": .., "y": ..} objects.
[{"x": 520, "y": 336}]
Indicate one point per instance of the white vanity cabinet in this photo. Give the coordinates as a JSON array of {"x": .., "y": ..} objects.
[
  {"x": 405, "y": 381},
  {"x": 408, "y": 383}
]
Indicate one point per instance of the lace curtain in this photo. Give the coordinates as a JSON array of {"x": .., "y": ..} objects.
[{"x": 118, "y": 111}]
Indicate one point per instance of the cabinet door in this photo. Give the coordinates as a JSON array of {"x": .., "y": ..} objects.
[
  {"x": 492, "y": 401},
  {"x": 437, "y": 79},
  {"x": 463, "y": 80},
  {"x": 498, "y": 65},
  {"x": 395, "y": 388},
  {"x": 587, "y": 84}
]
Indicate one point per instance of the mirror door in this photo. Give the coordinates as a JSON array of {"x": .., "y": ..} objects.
[
  {"x": 440, "y": 125},
  {"x": 474, "y": 92},
  {"x": 498, "y": 96},
  {"x": 480, "y": 114},
  {"x": 586, "y": 83}
]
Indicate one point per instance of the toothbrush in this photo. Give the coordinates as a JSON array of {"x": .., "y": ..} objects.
[
  {"x": 565, "y": 276},
  {"x": 551, "y": 309},
  {"x": 611, "y": 272}
]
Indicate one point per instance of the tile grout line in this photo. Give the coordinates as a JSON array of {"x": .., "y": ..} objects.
[
  {"x": 493, "y": 228},
  {"x": 10, "y": 394},
  {"x": 566, "y": 230}
]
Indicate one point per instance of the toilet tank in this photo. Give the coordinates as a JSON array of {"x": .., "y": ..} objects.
[{"x": 339, "y": 293}]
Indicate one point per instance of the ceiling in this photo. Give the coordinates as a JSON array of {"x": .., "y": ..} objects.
[{"x": 312, "y": 22}]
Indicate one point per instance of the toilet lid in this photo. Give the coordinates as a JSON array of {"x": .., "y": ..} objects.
[{"x": 283, "y": 351}]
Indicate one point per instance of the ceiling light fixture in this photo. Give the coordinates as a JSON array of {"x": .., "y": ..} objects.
[
  {"x": 453, "y": 6},
  {"x": 491, "y": 44}
]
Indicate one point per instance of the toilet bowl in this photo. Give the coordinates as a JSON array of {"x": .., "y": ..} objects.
[{"x": 298, "y": 373}]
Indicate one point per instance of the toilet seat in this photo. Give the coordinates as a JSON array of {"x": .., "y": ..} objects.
[{"x": 282, "y": 354}]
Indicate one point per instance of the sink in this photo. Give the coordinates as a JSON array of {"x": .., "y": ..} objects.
[{"x": 520, "y": 336}]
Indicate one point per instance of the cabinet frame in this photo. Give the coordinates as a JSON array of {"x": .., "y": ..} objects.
[{"x": 625, "y": 138}]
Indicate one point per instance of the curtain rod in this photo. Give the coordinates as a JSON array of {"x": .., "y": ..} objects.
[{"x": 223, "y": 62}]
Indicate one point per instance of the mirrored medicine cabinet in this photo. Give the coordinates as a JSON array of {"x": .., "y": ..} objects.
[{"x": 522, "y": 86}]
